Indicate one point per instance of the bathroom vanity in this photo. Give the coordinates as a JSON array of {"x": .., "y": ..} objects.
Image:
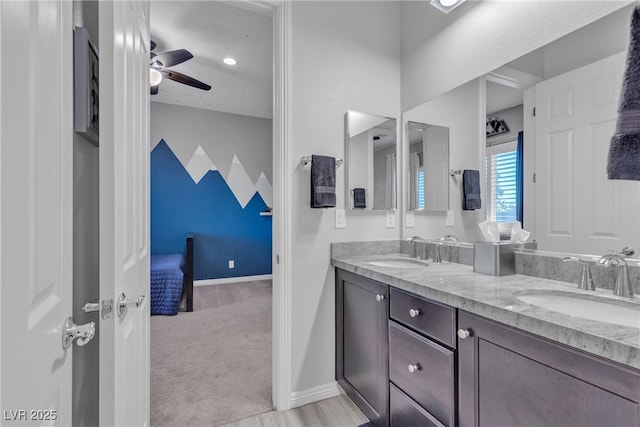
[{"x": 440, "y": 345}]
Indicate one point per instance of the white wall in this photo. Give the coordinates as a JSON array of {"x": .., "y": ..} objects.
[
  {"x": 488, "y": 35},
  {"x": 462, "y": 111},
  {"x": 345, "y": 56}
]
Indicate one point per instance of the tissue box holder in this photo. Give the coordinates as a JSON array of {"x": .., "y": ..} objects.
[{"x": 497, "y": 259}]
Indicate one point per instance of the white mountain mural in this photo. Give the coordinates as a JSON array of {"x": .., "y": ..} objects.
[
  {"x": 199, "y": 165},
  {"x": 238, "y": 179}
]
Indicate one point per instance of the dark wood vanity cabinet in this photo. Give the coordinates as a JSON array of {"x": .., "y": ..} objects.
[
  {"x": 512, "y": 378},
  {"x": 362, "y": 367}
]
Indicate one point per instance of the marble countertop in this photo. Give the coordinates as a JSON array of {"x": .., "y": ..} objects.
[{"x": 493, "y": 297}]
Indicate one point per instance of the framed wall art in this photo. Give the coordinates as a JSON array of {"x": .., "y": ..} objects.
[{"x": 86, "y": 86}]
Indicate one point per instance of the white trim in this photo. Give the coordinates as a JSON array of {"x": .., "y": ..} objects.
[
  {"x": 315, "y": 394},
  {"x": 263, "y": 7},
  {"x": 282, "y": 221},
  {"x": 224, "y": 280}
]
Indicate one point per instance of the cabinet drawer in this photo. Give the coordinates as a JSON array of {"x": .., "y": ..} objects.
[
  {"x": 424, "y": 370},
  {"x": 432, "y": 319},
  {"x": 407, "y": 413}
]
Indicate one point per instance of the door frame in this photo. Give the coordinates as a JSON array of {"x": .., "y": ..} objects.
[{"x": 282, "y": 231}]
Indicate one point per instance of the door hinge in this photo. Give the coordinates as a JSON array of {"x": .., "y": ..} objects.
[
  {"x": 534, "y": 178},
  {"x": 533, "y": 111},
  {"x": 277, "y": 258}
]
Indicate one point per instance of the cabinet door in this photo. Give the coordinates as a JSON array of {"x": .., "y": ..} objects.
[
  {"x": 511, "y": 378},
  {"x": 361, "y": 344}
]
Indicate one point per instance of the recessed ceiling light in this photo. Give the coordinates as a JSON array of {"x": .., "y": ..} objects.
[
  {"x": 229, "y": 61},
  {"x": 446, "y": 6}
]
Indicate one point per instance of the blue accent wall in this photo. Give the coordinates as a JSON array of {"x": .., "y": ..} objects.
[{"x": 222, "y": 229}]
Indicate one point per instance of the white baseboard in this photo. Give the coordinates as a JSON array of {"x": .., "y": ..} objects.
[
  {"x": 315, "y": 394},
  {"x": 231, "y": 280}
]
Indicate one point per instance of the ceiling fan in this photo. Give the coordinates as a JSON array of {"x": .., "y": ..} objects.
[{"x": 159, "y": 62}]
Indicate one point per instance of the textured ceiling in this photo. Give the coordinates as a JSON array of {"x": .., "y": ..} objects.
[{"x": 212, "y": 30}]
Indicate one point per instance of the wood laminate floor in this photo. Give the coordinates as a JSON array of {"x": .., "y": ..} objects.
[{"x": 335, "y": 412}]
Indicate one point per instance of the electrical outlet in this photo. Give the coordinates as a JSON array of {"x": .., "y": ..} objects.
[
  {"x": 410, "y": 220},
  {"x": 449, "y": 222},
  {"x": 341, "y": 218},
  {"x": 232, "y": 264},
  {"x": 391, "y": 220}
]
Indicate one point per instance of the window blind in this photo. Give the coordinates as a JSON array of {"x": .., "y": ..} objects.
[{"x": 500, "y": 173}]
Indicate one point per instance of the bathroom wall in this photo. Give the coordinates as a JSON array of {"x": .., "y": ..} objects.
[
  {"x": 488, "y": 35},
  {"x": 345, "y": 56},
  {"x": 211, "y": 176}
]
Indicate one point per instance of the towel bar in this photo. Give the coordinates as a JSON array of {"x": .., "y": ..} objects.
[
  {"x": 306, "y": 160},
  {"x": 455, "y": 172}
]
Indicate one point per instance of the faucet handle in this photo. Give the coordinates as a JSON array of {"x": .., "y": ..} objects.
[
  {"x": 586, "y": 280},
  {"x": 628, "y": 251}
]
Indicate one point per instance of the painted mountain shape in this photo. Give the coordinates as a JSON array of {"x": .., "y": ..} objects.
[
  {"x": 199, "y": 165},
  {"x": 263, "y": 187},
  {"x": 240, "y": 183}
]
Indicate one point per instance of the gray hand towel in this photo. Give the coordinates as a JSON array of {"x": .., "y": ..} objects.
[
  {"x": 323, "y": 182},
  {"x": 624, "y": 152},
  {"x": 471, "y": 190},
  {"x": 359, "y": 198}
]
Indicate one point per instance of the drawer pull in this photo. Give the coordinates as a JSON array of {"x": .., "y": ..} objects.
[
  {"x": 413, "y": 368},
  {"x": 463, "y": 334},
  {"x": 379, "y": 297},
  {"x": 415, "y": 312}
]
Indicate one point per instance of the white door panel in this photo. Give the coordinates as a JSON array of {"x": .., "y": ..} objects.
[
  {"x": 124, "y": 211},
  {"x": 578, "y": 209},
  {"x": 36, "y": 140}
]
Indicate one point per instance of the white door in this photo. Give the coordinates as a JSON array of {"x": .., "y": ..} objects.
[
  {"x": 577, "y": 208},
  {"x": 124, "y": 211},
  {"x": 36, "y": 142}
]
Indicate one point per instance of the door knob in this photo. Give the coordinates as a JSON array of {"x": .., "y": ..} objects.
[
  {"x": 379, "y": 297},
  {"x": 124, "y": 303},
  {"x": 415, "y": 312},
  {"x": 413, "y": 368},
  {"x": 71, "y": 331}
]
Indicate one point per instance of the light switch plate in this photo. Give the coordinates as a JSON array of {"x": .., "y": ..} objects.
[
  {"x": 391, "y": 220},
  {"x": 410, "y": 220},
  {"x": 449, "y": 222},
  {"x": 341, "y": 218}
]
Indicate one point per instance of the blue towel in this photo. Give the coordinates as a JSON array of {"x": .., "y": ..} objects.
[
  {"x": 323, "y": 182},
  {"x": 624, "y": 152},
  {"x": 471, "y": 190}
]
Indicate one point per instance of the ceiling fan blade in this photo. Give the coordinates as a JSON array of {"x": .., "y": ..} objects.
[
  {"x": 182, "y": 78},
  {"x": 152, "y": 45},
  {"x": 172, "y": 57},
  {"x": 154, "y": 90}
]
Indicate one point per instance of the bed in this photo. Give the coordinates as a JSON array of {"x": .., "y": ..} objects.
[{"x": 171, "y": 278}]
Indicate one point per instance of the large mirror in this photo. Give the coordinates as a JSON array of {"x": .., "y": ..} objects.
[
  {"x": 370, "y": 157},
  {"x": 428, "y": 167},
  {"x": 550, "y": 116}
]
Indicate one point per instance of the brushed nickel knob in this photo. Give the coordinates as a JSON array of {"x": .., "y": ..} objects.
[
  {"x": 379, "y": 297},
  {"x": 415, "y": 312},
  {"x": 413, "y": 368},
  {"x": 464, "y": 334}
]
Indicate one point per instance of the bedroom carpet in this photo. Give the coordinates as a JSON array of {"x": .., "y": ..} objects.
[{"x": 212, "y": 366}]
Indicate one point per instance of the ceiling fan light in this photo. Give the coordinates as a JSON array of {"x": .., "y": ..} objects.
[
  {"x": 155, "y": 77},
  {"x": 446, "y": 6}
]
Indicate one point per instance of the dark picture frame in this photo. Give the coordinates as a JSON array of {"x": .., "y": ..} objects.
[{"x": 86, "y": 86}]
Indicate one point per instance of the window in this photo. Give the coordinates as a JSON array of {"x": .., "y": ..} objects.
[
  {"x": 420, "y": 189},
  {"x": 500, "y": 173}
]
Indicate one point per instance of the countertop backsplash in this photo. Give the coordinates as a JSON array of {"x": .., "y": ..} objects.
[{"x": 546, "y": 265}]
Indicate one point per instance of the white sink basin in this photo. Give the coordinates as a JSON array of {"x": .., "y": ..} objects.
[
  {"x": 398, "y": 263},
  {"x": 584, "y": 306}
]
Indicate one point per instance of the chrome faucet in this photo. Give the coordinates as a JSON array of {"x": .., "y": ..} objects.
[
  {"x": 586, "y": 281},
  {"x": 417, "y": 239},
  {"x": 622, "y": 287},
  {"x": 441, "y": 243}
]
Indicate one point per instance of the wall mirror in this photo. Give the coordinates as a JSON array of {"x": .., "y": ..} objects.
[
  {"x": 428, "y": 167},
  {"x": 370, "y": 158},
  {"x": 574, "y": 84}
]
